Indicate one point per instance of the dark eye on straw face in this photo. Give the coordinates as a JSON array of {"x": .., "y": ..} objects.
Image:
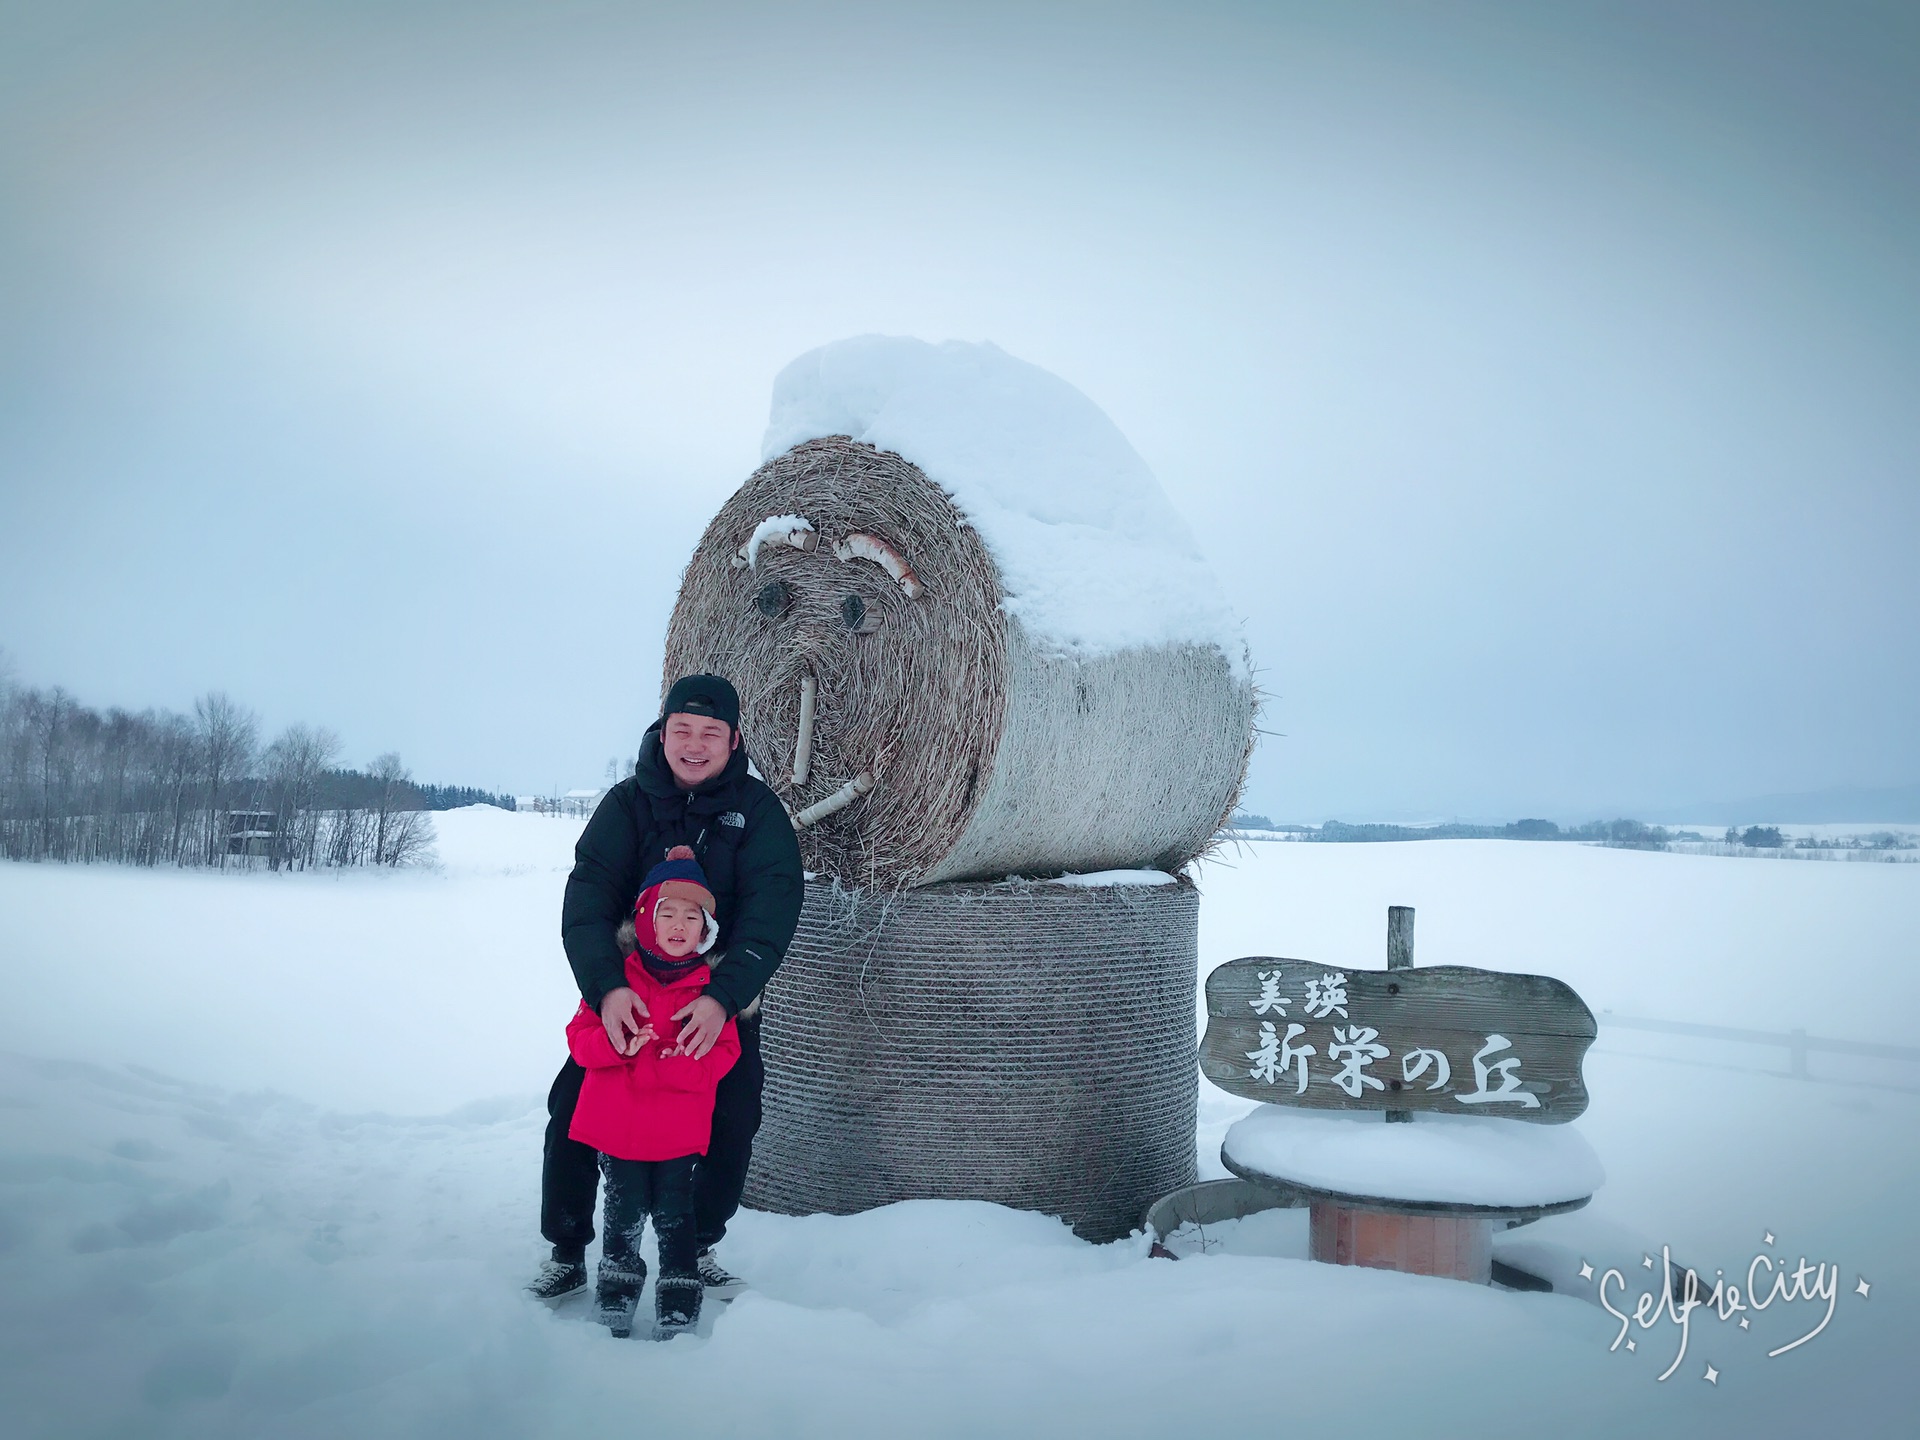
[
  {"x": 853, "y": 613},
  {"x": 773, "y": 599}
]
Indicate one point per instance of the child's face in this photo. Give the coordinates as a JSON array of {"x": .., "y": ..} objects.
[{"x": 678, "y": 925}]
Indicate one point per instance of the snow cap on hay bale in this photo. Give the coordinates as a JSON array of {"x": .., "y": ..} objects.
[
  {"x": 971, "y": 637},
  {"x": 903, "y": 1061}
]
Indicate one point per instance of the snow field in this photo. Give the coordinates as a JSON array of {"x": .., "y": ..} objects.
[
  {"x": 186, "y": 1248},
  {"x": 409, "y": 992}
]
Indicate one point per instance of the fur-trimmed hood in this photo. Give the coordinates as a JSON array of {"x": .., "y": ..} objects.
[{"x": 630, "y": 942}]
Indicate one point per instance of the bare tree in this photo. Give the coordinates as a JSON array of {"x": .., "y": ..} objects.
[
  {"x": 179, "y": 765},
  {"x": 47, "y": 716},
  {"x": 228, "y": 734},
  {"x": 294, "y": 763},
  {"x": 120, "y": 736},
  {"x": 410, "y": 838},
  {"x": 348, "y": 832},
  {"x": 401, "y": 830}
]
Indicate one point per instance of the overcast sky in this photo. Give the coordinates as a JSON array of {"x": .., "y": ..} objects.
[{"x": 1541, "y": 379}]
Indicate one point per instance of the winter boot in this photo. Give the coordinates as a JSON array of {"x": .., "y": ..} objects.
[
  {"x": 559, "y": 1279},
  {"x": 719, "y": 1283},
  {"x": 618, "y": 1294},
  {"x": 676, "y": 1305}
]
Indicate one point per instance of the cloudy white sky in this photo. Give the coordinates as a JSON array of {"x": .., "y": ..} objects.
[{"x": 1541, "y": 379}]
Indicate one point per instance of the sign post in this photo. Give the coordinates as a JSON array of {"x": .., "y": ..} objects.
[
  {"x": 1399, "y": 957},
  {"x": 1408, "y": 1042}
]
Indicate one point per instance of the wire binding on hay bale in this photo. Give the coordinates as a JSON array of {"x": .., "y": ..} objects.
[
  {"x": 989, "y": 754},
  {"x": 1027, "y": 1044}
]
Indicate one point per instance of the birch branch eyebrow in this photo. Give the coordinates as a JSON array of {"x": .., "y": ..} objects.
[{"x": 872, "y": 547}]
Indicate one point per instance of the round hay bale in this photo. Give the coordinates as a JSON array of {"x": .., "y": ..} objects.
[
  {"x": 1028, "y": 1044},
  {"x": 845, "y": 593}
]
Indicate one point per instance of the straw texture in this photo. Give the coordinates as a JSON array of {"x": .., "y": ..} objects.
[
  {"x": 1031, "y": 1045},
  {"x": 989, "y": 754}
]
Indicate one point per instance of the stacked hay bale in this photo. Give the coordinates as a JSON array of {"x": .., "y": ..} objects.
[
  {"x": 973, "y": 641},
  {"x": 1026, "y": 1044}
]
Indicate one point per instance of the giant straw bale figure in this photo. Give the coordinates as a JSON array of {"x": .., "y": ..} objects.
[
  {"x": 1012, "y": 658},
  {"x": 973, "y": 641}
]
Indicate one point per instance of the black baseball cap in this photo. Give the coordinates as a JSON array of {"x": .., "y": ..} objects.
[{"x": 704, "y": 695}]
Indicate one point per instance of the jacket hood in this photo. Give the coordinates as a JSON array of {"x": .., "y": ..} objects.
[
  {"x": 655, "y": 776},
  {"x": 680, "y": 880}
]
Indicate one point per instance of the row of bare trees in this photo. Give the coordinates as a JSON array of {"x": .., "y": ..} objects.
[{"x": 155, "y": 787}]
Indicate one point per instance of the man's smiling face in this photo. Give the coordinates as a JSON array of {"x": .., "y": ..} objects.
[{"x": 696, "y": 747}]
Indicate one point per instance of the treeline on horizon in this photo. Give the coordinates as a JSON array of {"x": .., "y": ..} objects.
[
  {"x": 1606, "y": 832},
  {"x": 1629, "y": 834},
  {"x": 155, "y": 787},
  {"x": 1611, "y": 832}
]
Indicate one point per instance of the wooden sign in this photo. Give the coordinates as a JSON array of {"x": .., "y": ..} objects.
[{"x": 1444, "y": 1038}]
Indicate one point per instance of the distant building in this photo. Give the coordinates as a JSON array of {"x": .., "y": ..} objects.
[
  {"x": 251, "y": 832},
  {"x": 579, "y": 803}
]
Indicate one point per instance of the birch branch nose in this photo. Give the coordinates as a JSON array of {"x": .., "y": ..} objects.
[{"x": 803, "y": 742}]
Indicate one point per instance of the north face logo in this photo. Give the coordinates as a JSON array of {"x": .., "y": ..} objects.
[{"x": 734, "y": 820}]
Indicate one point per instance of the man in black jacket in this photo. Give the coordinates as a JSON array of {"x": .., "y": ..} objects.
[{"x": 690, "y": 787}]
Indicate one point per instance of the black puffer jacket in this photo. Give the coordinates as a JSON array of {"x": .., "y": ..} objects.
[{"x": 744, "y": 842}]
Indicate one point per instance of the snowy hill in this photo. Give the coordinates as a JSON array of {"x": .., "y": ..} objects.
[{"x": 270, "y": 1149}]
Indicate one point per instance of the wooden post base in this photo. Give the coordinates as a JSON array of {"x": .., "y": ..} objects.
[{"x": 1457, "y": 1247}]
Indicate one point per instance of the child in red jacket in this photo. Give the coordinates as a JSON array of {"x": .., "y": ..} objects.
[{"x": 649, "y": 1112}]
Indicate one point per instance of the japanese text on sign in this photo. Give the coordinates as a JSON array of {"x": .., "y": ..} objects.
[{"x": 1355, "y": 1050}]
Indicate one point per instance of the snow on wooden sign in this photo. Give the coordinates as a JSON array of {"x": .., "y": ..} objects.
[{"x": 1440, "y": 1038}]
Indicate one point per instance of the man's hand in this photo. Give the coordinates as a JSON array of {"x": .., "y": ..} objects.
[
  {"x": 624, "y": 1014},
  {"x": 706, "y": 1017}
]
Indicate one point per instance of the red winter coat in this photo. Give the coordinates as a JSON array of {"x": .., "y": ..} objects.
[{"x": 650, "y": 1106}]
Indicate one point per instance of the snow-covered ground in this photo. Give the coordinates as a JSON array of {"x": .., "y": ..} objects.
[{"x": 269, "y": 1154}]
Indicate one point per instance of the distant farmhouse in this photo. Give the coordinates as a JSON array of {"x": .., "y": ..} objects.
[{"x": 576, "y": 803}]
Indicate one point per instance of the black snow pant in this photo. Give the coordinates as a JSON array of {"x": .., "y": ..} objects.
[
  {"x": 570, "y": 1171},
  {"x": 662, "y": 1189}
]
